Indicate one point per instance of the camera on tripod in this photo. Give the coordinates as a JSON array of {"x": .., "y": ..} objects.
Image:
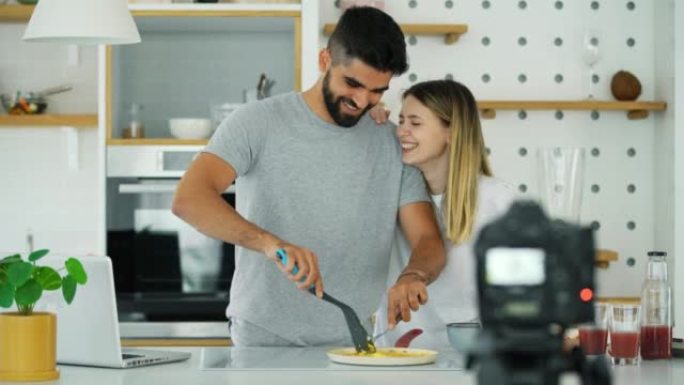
[{"x": 535, "y": 278}]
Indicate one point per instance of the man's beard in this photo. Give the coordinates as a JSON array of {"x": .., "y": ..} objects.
[{"x": 334, "y": 106}]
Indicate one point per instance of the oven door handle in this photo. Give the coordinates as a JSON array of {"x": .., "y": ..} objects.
[{"x": 159, "y": 188}]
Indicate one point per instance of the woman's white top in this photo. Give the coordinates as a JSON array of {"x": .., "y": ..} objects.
[{"x": 453, "y": 296}]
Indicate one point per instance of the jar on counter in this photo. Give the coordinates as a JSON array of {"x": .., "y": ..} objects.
[
  {"x": 656, "y": 309},
  {"x": 134, "y": 129}
]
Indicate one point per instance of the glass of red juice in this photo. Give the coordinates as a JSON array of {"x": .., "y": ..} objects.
[
  {"x": 594, "y": 336},
  {"x": 624, "y": 334}
]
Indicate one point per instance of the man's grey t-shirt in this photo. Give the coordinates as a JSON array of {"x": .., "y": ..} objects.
[{"x": 333, "y": 190}]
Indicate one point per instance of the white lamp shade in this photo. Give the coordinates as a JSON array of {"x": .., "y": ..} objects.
[{"x": 82, "y": 22}]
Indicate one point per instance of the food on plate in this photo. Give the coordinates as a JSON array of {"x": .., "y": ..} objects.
[
  {"x": 389, "y": 352},
  {"x": 383, "y": 357},
  {"x": 405, "y": 340}
]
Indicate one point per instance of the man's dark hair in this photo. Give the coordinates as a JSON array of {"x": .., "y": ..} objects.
[{"x": 372, "y": 36}]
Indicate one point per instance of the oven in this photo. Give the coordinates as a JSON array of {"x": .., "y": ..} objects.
[{"x": 164, "y": 270}]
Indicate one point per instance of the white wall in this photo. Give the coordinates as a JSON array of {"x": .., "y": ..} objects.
[
  {"x": 664, "y": 65},
  {"x": 38, "y": 190},
  {"x": 677, "y": 107},
  {"x": 310, "y": 15},
  {"x": 42, "y": 195},
  {"x": 34, "y": 66},
  {"x": 513, "y": 140}
]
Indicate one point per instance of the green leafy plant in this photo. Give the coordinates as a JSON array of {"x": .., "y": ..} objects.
[{"x": 23, "y": 281}]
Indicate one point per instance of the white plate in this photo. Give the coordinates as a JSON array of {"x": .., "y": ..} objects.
[{"x": 412, "y": 356}]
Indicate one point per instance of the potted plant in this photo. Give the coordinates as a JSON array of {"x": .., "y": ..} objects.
[{"x": 28, "y": 339}]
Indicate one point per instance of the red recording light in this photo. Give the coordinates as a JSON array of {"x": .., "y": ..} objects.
[{"x": 586, "y": 294}]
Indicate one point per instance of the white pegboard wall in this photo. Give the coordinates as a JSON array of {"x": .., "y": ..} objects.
[{"x": 532, "y": 50}]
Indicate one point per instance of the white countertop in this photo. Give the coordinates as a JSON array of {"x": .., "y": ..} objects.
[
  {"x": 307, "y": 359},
  {"x": 669, "y": 372}
]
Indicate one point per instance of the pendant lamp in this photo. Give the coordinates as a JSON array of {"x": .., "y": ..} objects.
[{"x": 83, "y": 22}]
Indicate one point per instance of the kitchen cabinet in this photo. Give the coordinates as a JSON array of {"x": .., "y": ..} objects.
[
  {"x": 140, "y": 334},
  {"x": 194, "y": 57}
]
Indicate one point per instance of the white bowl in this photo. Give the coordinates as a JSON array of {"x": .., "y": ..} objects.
[
  {"x": 463, "y": 335},
  {"x": 190, "y": 128}
]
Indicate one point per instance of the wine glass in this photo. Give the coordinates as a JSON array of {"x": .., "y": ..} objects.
[
  {"x": 560, "y": 174},
  {"x": 591, "y": 54}
]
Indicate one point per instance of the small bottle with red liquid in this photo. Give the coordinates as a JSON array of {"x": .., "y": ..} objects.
[{"x": 656, "y": 309}]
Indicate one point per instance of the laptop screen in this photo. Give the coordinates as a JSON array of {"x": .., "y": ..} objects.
[{"x": 88, "y": 328}]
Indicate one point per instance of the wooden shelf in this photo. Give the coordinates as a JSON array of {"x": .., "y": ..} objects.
[
  {"x": 451, "y": 32},
  {"x": 18, "y": 13},
  {"x": 15, "y": 13},
  {"x": 84, "y": 121},
  {"x": 635, "y": 110},
  {"x": 603, "y": 258},
  {"x": 619, "y": 300},
  {"x": 155, "y": 141},
  {"x": 213, "y": 13},
  {"x": 236, "y": 8}
]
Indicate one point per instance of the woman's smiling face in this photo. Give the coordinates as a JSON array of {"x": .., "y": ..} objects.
[{"x": 424, "y": 137}]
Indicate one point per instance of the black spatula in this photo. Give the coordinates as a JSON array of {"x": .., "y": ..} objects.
[{"x": 362, "y": 341}]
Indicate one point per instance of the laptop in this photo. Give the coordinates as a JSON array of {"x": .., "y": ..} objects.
[{"x": 88, "y": 329}]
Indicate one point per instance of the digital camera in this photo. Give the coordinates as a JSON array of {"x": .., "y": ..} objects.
[{"x": 535, "y": 278}]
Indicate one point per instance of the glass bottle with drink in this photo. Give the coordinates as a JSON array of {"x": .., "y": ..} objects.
[{"x": 656, "y": 309}]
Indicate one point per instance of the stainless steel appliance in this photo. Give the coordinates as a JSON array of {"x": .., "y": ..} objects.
[{"x": 163, "y": 268}]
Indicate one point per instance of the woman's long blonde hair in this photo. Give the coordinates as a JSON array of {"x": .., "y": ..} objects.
[{"x": 455, "y": 106}]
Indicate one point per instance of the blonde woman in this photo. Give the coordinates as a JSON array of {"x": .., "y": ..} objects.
[{"x": 440, "y": 134}]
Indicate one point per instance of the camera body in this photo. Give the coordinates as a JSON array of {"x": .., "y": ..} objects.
[
  {"x": 533, "y": 272},
  {"x": 535, "y": 278}
]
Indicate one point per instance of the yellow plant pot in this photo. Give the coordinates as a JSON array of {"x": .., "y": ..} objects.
[{"x": 28, "y": 346}]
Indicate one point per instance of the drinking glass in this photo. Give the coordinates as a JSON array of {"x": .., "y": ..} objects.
[
  {"x": 624, "y": 334},
  {"x": 591, "y": 54},
  {"x": 200, "y": 260},
  {"x": 594, "y": 335},
  {"x": 561, "y": 176}
]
